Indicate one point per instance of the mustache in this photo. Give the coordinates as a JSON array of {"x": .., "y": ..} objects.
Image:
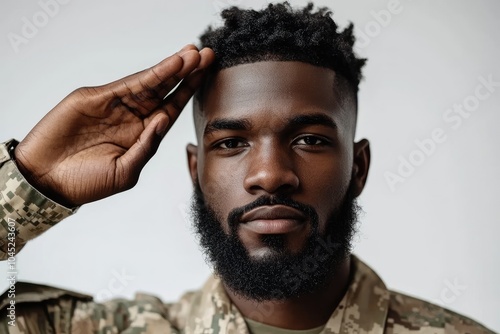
[{"x": 234, "y": 217}]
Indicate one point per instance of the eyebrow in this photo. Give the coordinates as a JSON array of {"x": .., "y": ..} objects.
[
  {"x": 226, "y": 124},
  {"x": 313, "y": 119},
  {"x": 245, "y": 125}
]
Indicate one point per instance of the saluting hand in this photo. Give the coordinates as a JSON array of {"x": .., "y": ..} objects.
[{"x": 96, "y": 141}]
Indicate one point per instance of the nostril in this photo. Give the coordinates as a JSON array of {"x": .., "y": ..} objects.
[{"x": 272, "y": 181}]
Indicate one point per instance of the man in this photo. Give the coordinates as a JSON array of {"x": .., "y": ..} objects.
[{"x": 276, "y": 173}]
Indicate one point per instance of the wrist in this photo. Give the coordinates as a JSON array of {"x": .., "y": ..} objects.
[{"x": 33, "y": 180}]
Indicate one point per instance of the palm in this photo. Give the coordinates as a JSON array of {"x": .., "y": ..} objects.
[{"x": 97, "y": 140}]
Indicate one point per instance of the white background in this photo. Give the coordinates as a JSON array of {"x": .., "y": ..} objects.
[{"x": 438, "y": 228}]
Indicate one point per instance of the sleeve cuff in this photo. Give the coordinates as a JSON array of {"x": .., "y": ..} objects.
[{"x": 31, "y": 212}]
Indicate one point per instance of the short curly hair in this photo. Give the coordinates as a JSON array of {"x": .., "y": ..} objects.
[{"x": 282, "y": 33}]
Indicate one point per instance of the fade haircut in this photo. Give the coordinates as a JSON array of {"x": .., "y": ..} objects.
[{"x": 281, "y": 33}]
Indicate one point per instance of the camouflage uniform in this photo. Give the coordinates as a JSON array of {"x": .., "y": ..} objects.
[{"x": 367, "y": 307}]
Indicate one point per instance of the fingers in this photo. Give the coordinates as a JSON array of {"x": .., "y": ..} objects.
[
  {"x": 149, "y": 91},
  {"x": 161, "y": 118},
  {"x": 191, "y": 59},
  {"x": 176, "y": 101},
  {"x": 160, "y": 121},
  {"x": 187, "y": 47},
  {"x": 207, "y": 58},
  {"x": 144, "y": 91},
  {"x": 166, "y": 73},
  {"x": 145, "y": 147}
]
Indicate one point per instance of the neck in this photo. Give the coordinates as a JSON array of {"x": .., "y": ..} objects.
[{"x": 305, "y": 312}]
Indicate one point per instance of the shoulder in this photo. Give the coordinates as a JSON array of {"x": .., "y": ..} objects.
[
  {"x": 35, "y": 308},
  {"x": 407, "y": 314}
]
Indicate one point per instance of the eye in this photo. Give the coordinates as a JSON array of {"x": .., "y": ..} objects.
[
  {"x": 230, "y": 144},
  {"x": 311, "y": 141}
]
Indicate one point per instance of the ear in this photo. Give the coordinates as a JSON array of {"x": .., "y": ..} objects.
[
  {"x": 192, "y": 155},
  {"x": 361, "y": 165}
]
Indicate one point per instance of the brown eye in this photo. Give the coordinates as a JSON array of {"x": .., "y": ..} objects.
[
  {"x": 230, "y": 143},
  {"x": 310, "y": 140}
]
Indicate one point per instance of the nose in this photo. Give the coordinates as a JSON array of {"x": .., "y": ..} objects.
[{"x": 271, "y": 171}]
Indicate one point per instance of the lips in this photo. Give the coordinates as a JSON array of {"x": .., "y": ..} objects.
[{"x": 275, "y": 219}]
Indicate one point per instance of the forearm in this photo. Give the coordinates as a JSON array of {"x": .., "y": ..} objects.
[{"x": 25, "y": 213}]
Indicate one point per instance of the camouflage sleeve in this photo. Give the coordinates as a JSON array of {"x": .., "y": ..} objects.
[
  {"x": 32, "y": 308},
  {"x": 412, "y": 315},
  {"x": 24, "y": 212},
  {"x": 40, "y": 309}
]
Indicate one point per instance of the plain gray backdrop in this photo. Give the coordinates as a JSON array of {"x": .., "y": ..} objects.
[{"x": 432, "y": 234}]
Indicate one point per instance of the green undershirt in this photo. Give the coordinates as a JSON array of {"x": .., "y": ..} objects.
[{"x": 260, "y": 328}]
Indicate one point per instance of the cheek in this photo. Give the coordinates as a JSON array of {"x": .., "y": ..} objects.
[
  {"x": 220, "y": 185},
  {"x": 326, "y": 184}
]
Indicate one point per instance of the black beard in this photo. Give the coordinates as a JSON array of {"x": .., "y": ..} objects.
[{"x": 281, "y": 275}]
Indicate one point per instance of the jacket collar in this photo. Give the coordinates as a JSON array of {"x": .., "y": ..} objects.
[{"x": 363, "y": 309}]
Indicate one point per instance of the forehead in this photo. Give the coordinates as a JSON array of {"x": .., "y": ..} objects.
[
  {"x": 274, "y": 89},
  {"x": 262, "y": 84}
]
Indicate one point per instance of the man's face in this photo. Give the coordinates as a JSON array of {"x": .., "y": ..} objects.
[{"x": 276, "y": 155}]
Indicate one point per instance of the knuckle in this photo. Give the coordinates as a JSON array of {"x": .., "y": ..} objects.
[
  {"x": 84, "y": 94},
  {"x": 83, "y": 91}
]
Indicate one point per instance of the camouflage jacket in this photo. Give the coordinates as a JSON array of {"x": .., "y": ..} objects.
[{"x": 367, "y": 306}]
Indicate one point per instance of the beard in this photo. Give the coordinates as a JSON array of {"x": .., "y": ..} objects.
[{"x": 280, "y": 275}]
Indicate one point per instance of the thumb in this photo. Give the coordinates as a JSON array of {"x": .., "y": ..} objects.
[{"x": 146, "y": 146}]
